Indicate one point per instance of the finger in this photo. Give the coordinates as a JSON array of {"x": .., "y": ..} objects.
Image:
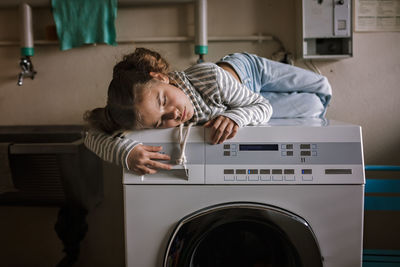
[
  {"x": 142, "y": 170},
  {"x": 227, "y": 131},
  {"x": 158, "y": 165},
  {"x": 152, "y": 148},
  {"x": 222, "y": 128},
  {"x": 215, "y": 128},
  {"x": 235, "y": 129},
  {"x": 208, "y": 123},
  {"x": 153, "y": 155},
  {"x": 147, "y": 170}
]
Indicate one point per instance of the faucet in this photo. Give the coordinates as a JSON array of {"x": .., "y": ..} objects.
[
  {"x": 27, "y": 49},
  {"x": 26, "y": 69}
]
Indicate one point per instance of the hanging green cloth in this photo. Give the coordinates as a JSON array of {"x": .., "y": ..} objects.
[{"x": 81, "y": 22}]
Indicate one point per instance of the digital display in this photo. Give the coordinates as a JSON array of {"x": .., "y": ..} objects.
[{"x": 259, "y": 147}]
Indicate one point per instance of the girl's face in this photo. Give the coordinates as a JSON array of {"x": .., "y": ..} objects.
[{"x": 164, "y": 105}]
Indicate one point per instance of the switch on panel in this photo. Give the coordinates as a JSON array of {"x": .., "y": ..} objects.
[{"x": 342, "y": 17}]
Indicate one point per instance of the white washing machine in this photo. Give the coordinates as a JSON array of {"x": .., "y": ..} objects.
[{"x": 289, "y": 193}]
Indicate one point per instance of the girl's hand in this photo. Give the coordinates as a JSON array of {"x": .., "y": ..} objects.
[
  {"x": 222, "y": 128},
  {"x": 141, "y": 159}
]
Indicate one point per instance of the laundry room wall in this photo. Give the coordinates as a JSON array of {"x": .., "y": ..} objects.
[{"x": 365, "y": 92}]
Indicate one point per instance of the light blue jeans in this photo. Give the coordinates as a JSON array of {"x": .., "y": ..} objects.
[{"x": 293, "y": 92}]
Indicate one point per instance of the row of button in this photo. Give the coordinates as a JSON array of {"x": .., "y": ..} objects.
[
  {"x": 302, "y": 146},
  {"x": 265, "y": 178},
  {"x": 266, "y": 171},
  {"x": 303, "y": 153},
  {"x": 283, "y": 153}
]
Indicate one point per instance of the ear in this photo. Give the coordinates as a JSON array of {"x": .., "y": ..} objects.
[{"x": 159, "y": 76}]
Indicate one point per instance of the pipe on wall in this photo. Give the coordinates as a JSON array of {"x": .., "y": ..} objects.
[
  {"x": 201, "y": 44},
  {"x": 122, "y": 3},
  {"x": 171, "y": 39},
  {"x": 26, "y": 30}
]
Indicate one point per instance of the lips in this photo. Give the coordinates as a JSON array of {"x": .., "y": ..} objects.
[{"x": 183, "y": 114}]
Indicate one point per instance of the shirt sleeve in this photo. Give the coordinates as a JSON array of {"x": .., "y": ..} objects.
[
  {"x": 243, "y": 105},
  {"x": 111, "y": 148}
]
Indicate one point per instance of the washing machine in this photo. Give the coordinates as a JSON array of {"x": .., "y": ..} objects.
[{"x": 288, "y": 193}]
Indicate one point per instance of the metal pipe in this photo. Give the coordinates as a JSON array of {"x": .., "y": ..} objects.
[
  {"x": 172, "y": 39},
  {"x": 121, "y": 3},
  {"x": 200, "y": 40},
  {"x": 26, "y": 30}
]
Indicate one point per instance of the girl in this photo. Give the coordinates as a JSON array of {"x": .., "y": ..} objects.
[{"x": 241, "y": 89}]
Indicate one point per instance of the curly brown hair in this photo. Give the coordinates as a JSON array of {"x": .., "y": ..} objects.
[{"x": 130, "y": 77}]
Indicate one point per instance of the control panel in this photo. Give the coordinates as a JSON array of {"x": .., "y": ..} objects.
[
  {"x": 284, "y": 153},
  {"x": 293, "y": 162}
]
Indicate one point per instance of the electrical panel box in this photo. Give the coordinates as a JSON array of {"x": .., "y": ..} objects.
[{"x": 325, "y": 29}]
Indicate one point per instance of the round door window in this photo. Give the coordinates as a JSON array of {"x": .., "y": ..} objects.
[{"x": 242, "y": 235}]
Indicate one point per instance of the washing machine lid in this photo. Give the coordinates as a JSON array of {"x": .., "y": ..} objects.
[{"x": 231, "y": 233}]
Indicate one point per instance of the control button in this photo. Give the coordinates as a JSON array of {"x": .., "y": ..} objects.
[
  {"x": 288, "y": 171},
  {"x": 229, "y": 171},
  {"x": 240, "y": 171},
  {"x": 265, "y": 171},
  {"x": 314, "y": 146},
  {"x": 283, "y": 153},
  {"x": 306, "y": 171},
  {"x": 276, "y": 171},
  {"x": 253, "y": 178},
  {"x": 277, "y": 178},
  {"x": 252, "y": 171},
  {"x": 227, "y": 146},
  {"x": 289, "y": 178},
  {"x": 283, "y": 146},
  {"x": 289, "y": 146},
  {"x": 305, "y": 146},
  {"x": 233, "y": 153},
  {"x": 289, "y": 153},
  {"x": 227, "y": 153},
  {"x": 305, "y": 153},
  {"x": 241, "y": 178},
  {"x": 229, "y": 178},
  {"x": 338, "y": 171},
  {"x": 265, "y": 178},
  {"x": 314, "y": 153},
  {"x": 233, "y": 146},
  {"x": 307, "y": 178}
]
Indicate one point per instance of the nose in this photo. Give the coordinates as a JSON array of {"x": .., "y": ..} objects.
[{"x": 171, "y": 114}]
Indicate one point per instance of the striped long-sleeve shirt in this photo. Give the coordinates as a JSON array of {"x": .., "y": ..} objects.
[{"x": 212, "y": 91}]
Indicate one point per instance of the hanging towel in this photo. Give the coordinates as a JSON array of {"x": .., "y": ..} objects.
[
  {"x": 6, "y": 182},
  {"x": 81, "y": 22}
]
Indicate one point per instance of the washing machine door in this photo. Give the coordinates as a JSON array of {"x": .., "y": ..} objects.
[{"x": 245, "y": 235}]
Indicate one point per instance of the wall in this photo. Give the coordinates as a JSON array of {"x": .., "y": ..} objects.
[{"x": 365, "y": 89}]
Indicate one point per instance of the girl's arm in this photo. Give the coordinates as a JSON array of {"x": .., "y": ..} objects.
[
  {"x": 111, "y": 148},
  {"x": 244, "y": 106},
  {"x": 129, "y": 154}
]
